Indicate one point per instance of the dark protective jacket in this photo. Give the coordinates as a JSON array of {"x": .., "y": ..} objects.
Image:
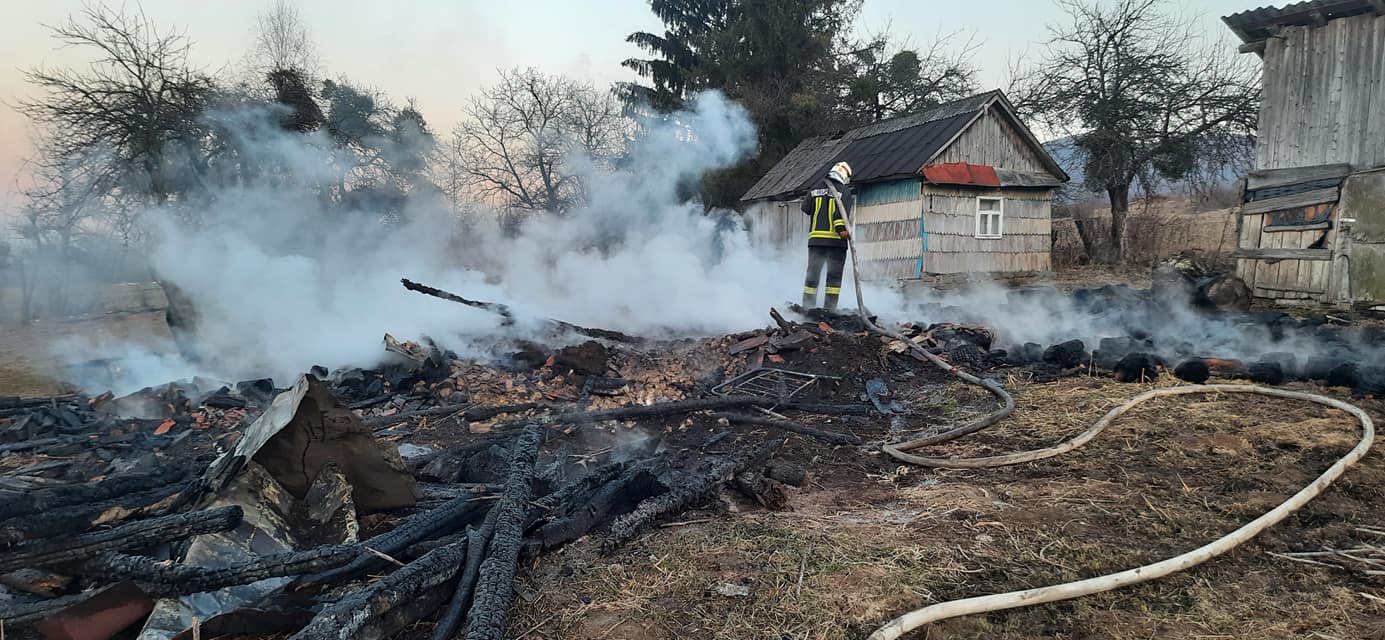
[{"x": 827, "y": 221}]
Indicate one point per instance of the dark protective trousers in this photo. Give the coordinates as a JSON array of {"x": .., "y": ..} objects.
[{"x": 832, "y": 260}]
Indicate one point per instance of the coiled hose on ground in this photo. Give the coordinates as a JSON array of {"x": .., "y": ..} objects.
[{"x": 1069, "y": 590}]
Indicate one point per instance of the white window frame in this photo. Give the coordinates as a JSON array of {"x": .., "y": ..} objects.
[{"x": 1000, "y": 218}]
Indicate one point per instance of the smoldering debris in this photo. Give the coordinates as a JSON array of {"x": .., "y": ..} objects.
[{"x": 491, "y": 460}]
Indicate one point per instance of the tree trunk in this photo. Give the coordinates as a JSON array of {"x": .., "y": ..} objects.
[{"x": 1120, "y": 205}]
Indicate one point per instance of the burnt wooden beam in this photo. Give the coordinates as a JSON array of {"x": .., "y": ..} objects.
[
  {"x": 455, "y": 513},
  {"x": 168, "y": 580},
  {"x": 495, "y": 588},
  {"x": 133, "y": 535},
  {"x": 43, "y": 500},
  {"x": 494, "y": 307},
  {"x": 591, "y": 511},
  {"x": 686, "y": 494},
  {"x": 349, "y": 615},
  {"x": 508, "y": 316},
  {"x": 80, "y": 518},
  {"x": 451, "y": 619},
  {"x": 471, "y": 414},
  {"x": 830, "y": 437}
]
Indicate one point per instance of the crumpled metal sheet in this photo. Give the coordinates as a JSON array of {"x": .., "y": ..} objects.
[{"x": 264, "y": 531}]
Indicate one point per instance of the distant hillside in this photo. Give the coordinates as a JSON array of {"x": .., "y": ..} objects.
[{"x": 1069, "y": 156}]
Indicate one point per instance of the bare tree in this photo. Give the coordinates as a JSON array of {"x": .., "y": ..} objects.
[
  {"x": 138, "y": 102},
  {"x": 523, "y": 136},
  {"x": 1139, "y": 90},
  {"x": 282, "y": 42}
]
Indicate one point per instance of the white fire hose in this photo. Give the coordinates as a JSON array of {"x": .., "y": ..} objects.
[{"x": 1069, "y": 590}]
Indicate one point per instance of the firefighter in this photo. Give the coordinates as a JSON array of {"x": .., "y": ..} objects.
[{"x": 827, "y": 237}]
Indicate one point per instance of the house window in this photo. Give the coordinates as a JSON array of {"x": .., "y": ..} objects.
[{"x": 990, "y": 217}]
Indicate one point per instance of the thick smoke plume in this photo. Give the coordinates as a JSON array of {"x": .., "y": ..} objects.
[{"x": 282, "y": 281}]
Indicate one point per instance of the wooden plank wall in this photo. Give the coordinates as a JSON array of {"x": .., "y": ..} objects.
[
  {"x": 1307, "y": 280},
  {"x": 950, "y": 223},
  {"x": 992, "y": 141},
  {"x": 777, "y": 225},
  {"x": 890, "y": 240},
  {"x": 1324, "y": 92}
]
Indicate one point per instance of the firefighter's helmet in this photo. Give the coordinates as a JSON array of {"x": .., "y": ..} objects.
[{"x": 841, "y": 172}]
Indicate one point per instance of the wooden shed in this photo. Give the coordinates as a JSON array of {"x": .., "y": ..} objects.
[
  {"x": 1312, "y": 223},
  {"x": 961, "y": 188}
]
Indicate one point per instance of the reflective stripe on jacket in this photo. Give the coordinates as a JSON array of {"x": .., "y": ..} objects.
[{"x": 827, "y": 221}]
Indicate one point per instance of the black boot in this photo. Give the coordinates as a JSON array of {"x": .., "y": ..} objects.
[{"x": 831, "y": 302}]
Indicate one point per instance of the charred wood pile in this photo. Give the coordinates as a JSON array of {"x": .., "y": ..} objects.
[{"x": 357, "y": 503}]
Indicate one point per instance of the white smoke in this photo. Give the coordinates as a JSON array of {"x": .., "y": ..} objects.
[
  {"x": 1167, "y": 326},
  {"x": 281, "y": 283}
]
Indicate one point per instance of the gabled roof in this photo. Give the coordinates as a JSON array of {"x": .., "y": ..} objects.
[
  {"x": 1256, "y": 25},
  {"x": 887, "y": 149}
]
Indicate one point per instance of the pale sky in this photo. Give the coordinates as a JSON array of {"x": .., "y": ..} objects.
[{"x": 440, "y": 51}]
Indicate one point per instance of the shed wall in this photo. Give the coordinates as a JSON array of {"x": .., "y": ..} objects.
[
  {"x": 949, "y": 224},
  {"x": 1324, "y": 88},
  {"x": 993, "y": 141}
]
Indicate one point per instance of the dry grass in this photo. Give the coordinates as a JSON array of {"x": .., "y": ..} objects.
[{"x": 1165, "y": 479}]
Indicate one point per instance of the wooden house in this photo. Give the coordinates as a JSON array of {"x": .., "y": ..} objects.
[
  {"x": 1312, "y": 223},
  {"x": 964, "y": 187}
]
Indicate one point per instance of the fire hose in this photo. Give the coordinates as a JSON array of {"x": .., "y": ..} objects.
[{"x": 1069, "y": 590}]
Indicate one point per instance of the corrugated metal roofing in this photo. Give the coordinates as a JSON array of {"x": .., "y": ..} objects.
[
  {"x": 1256, "y": 24},
  {"x": 886, "y": 149}
]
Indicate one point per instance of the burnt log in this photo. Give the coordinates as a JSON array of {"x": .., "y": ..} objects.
[
  {"x": 348, "y": 615},
  {"x": 80, "y": 518},
  {"x": 685, "y": 494},
  {"x": 457, "y": 606},
  {"x": 499, "y": 309},
  {"x": 508, "y": 316},
  {"x": 1264, "y": 372},
  {"x": 1346, "y": 374},
  {"x": 1067, "y": 354},
  {"x": 471, "y": 414},
  {"x": 588, "y": 358},
  {"x": 830, "y": 437},
  {"x": 1195, "y": 371},
  {"x": 403, "y": 617},
  {"x": 495, "y": 586},
  {"x": 1137, "y": 367},
  {"x": 133, "y": 535},
  {"x": 787, "y": 473},
  {"x": 449, "y": 517},
  {"x": 631, "y": 487},
  {"x": 169, "y": 580},
  {"x": 770, "y": 493},
  {"x": 43, "y": 500}
]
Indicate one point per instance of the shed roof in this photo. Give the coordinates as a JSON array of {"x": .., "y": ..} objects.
[
  {"x": 1256, "y": 25},
  {"x": 883, "y": 150}
]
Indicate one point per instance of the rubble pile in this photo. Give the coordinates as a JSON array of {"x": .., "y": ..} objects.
[
  {"x": 359, "y": 502},
  {"x": 409, "y": 491}
]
